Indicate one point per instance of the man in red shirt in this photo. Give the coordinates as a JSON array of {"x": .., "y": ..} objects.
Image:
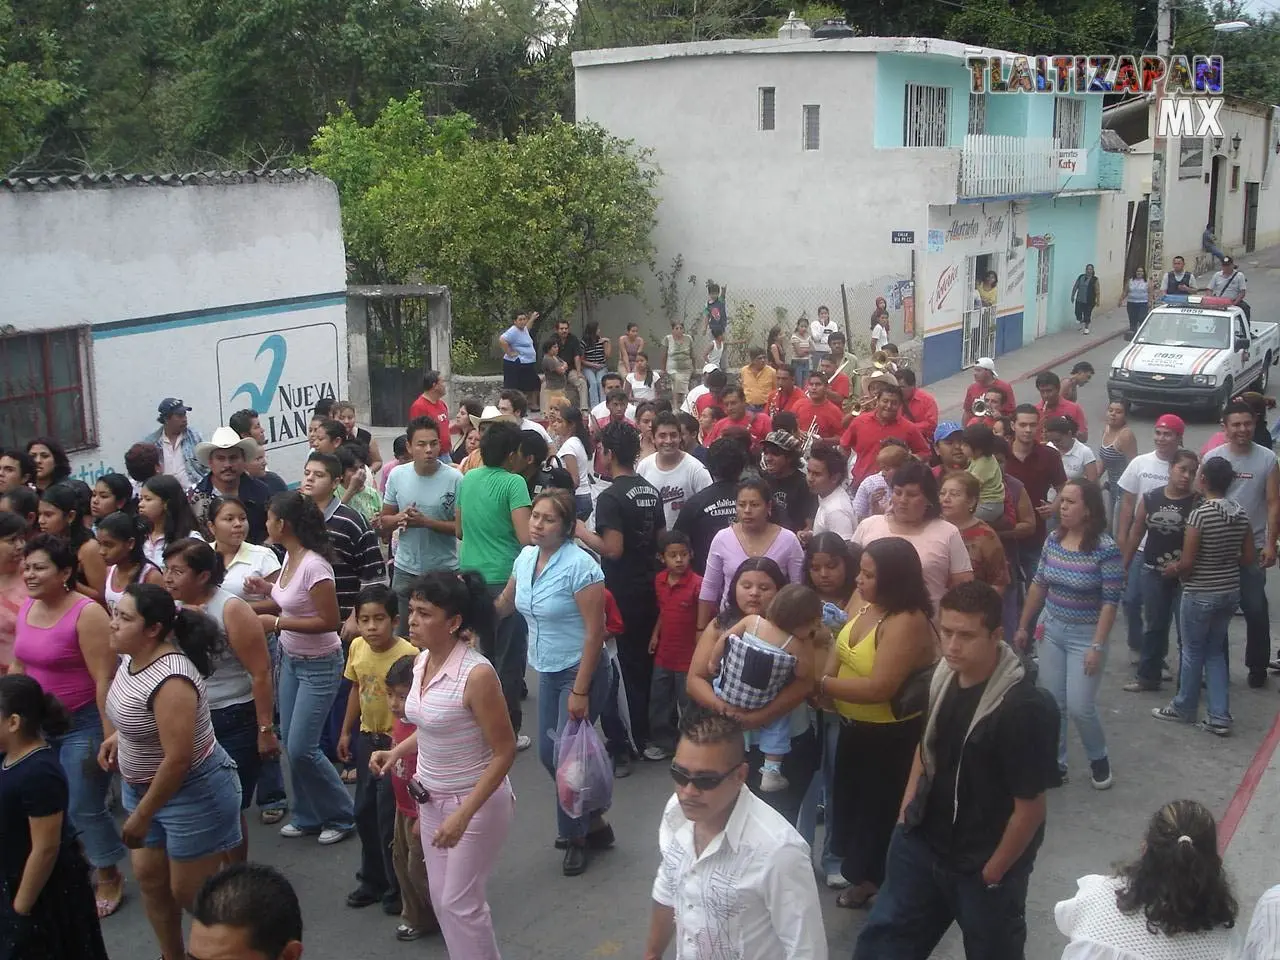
[
  {"x": 918, "y": 406},
  {"x": 816, "y": 407},
  {"x": 867, "y": 430},
  {"x": 736, "y": 414},
  {"x": 984, "y": 375},
  {"x": 1053, "y": 405},
  {"x": 786, "y": 396},
  {"x": 430, "y": 402},
  {"x": 838, "y": 384},
  {"x": 1039, "y": 467}
]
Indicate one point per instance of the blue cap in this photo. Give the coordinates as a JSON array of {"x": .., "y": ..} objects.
[{"x": 946, "y": 429}]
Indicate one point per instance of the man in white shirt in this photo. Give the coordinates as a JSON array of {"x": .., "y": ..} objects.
[
  {"x": 735, "y": 878},
  {"x": 600, "y": 412},
  {"x": 827, "y": 470},
  {"x": 513, "y": 403},
  {"x": 676, "y": 475},
  {"x": 176, "y": 443},
  {"x": 1229, "y": 283},
  {"x": 690, "y": 404}
]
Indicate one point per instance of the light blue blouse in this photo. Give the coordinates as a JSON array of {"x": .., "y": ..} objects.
[
  {"x": 521, "y": 343},
  {"x": 549, "y": 606}
]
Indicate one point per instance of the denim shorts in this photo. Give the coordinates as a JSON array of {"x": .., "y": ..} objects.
[
  {"x": 202, "y": 818},
  {"x": 236, "y": 727}
]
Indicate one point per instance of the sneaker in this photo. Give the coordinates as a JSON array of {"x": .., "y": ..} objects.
[
  {"x": 292, "y": 831},
  {"x": 332, "y": 835},
  {"x": 1168, "y": 713},
  {"x": 408, "y": 934},
  {"x": 1100, "y": 773},
  {"x": 622, "y": 766},
  {"x": 1139, "y": 686},
  {"x": 1086, "y": 331},
  {"x": 1274, "y": 665},
  {"x": 1217, "y": 729},
  {"x": 772, "y": 781},
  {"x": 655, "y": 752},
  {"x": 836, "y": 881},
  {"x": 362, "y": 897},
  {"x": 523, "y": 742}
]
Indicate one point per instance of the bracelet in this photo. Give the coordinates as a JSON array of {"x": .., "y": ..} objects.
[
  {"x": 822, "y": 685},
  {"x": 277, "y": 626},
  {"x": 577, "y": 694}
]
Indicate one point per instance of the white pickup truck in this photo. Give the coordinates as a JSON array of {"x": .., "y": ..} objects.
[{"x": 1194, "y": 352}]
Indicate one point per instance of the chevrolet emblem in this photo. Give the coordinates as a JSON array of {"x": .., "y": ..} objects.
[{"x": 1157, "y": 376}]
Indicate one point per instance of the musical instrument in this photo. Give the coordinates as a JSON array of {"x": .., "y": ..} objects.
[
  {"x": 979, "y": 407},
  {"x": 807, "y": 441}
]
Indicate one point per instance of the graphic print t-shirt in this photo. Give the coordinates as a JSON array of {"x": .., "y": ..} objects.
[
  {"x": 632, "y": 506},
  {"x": 1166, "y": 524},
  {"x": 704, "y": 515},
  {"x": 674, "y": 486}
]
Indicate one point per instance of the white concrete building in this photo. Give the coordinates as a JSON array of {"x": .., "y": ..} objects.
[
  {"x": 804, "y": 165},
  {"x": 226, "y": 291}
]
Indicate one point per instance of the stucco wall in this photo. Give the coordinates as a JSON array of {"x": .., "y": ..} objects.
[{"x": 1073, "y": 222}]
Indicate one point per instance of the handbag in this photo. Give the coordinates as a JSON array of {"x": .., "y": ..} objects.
[{"x": 912, "y": 697}]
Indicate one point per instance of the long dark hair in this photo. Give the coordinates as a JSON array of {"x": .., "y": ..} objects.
[
  {"x": 126, "y": 527},
  {"x": 120, "y": 488},
  {"x": 900, "y": 586},
  {"x": 573, "y": 416},
  {"x": 70, "y": 499},
  {"x": 22, "y": 696},
  {"x": 459, "y": 594},
  {"x": 591, "y": 332},
  {"x": 305, "y": 520},
  {"x": 179, "y": 521},
  {"x": 194, "y": 633},
  {"x": 731, "y": 614},
  {"x": 834, "y": 545},
  {"x": 1091, "y": 493},
  {"x": 61, "y": 464},
  {"x": 1178, "y": 882}
]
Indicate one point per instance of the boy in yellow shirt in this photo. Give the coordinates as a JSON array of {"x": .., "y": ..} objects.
[{"x": 370, "y": 657}]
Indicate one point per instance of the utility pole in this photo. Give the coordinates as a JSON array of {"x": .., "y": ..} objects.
[{"x": 1159, "y": 155}]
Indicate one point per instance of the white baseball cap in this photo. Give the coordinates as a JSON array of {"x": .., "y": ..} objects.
[
  {"x": 986, "y": 363},
  {"x": 709, "y": 367}
]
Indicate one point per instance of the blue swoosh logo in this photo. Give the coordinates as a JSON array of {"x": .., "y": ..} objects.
[{"x": 260, "y": 397}]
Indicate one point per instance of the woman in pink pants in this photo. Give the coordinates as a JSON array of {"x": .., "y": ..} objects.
[{"x": 465, "y": 747}]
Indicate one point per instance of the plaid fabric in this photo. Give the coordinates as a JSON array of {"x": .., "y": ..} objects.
[{"x": 753, "y": 672}]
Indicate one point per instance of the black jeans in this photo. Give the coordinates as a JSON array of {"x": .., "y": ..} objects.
[
  {"x": 375, "y": 808},
  {"x": 1160, "y": 598},
  {"x": 639, "y": 613},
  {"x": 922, "y": 896},
  {"x": 507, "y": 648},
  {"x": 1084, "y": 314},
  {"x": 668, "y": 700}
]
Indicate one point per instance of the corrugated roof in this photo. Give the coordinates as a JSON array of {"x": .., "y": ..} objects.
[{"x": 92, "y": 181}]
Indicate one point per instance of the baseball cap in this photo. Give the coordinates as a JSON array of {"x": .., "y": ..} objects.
[
  {"x": 784, "y": 441},
  {"x": 1227, "y": 260},
  {"x": 709, "y": 367},
  {"x": 986, "y": 363},
  {"x": 171, "y": 405},
  {"x": 1171, "y": 421},
  {"x": 947, "y": 428}
]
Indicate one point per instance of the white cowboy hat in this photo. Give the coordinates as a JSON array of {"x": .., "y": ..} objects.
[
  {"x": 224, "y": 438},
  {"x": 492, "y": 414}
]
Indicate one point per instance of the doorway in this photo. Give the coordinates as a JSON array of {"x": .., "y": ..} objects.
[
  {"x": 1215, "y": 185},
  {"x": 1250, "y": 215},
  {"x": 1044, "y": 274},
  {"x": 979, "y": 331}
]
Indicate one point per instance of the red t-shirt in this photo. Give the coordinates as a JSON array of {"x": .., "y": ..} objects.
[
  {"x": 613, "y": 624},
  {"x": 757, "y": 424},
  {"x": 976, "y": 390},
  {"x": 403, "y": 770},
  {"x": 840, "y": 385},
  {"x": 776, "y": 403},
  {"x": 677, "y": 620},
  {"x": 829, "y": 416},
  {"x": 704, "y": 401},
  {"x": 922, "y": 410},
  {"x": 422, "y": 407},
  {"x": 1065, "y": 408},
  {"x": 865, "y": 433}
]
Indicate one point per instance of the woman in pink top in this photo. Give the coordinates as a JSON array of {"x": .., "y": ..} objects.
[
  {"x": 465, "y": 746},
  {"x": 753, "y": 534},
  {"x": 63, "y": 641},
  {"x": 306, "y": 618}
]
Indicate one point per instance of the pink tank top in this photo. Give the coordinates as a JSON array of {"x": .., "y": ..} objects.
[
  {"x": 452, "y": 750},
  {"x": 52, "y": 656}
]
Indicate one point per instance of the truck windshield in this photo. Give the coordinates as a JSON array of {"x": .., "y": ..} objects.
[{"x": 1170, "y": 328}]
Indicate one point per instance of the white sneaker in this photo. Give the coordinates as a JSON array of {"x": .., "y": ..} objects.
[
  {"x": 836, "y": 881},
  {"x": 292, "y": 831},
  {"x": 332, "y": 835},
  {"x": 1086, "y": 331},
  {"x": 523, "y": 742},
  {"x": 655, "y": 752},
  {"x": 772, "y": 781}
]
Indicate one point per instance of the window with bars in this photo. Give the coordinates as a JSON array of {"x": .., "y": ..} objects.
[
  {"x": 44, "y": 380},
  {"x": 811, "y": 126},
  {"x": 768, "y": 103},
  {"x": 1068, "y": 123},
  {"x": 924, "y": 119},
  {"x": 978, "y": 113}
]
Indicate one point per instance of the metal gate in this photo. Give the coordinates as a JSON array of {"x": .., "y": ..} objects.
[
  {"x": 1250, "y": 216},
  {"x": 979, "y": 335}
]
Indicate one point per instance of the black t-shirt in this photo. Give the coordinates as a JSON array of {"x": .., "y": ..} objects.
[
  {"x": 570, "y": 347},
  {"x": 1166, "y": 524},
  {"x": 633, "y": 506},
  {"x": 35, "y": 786},
  {"x": 704, "y": 515},
  {"x": 794, "y": 504},
  {"x": 552, "y": 476}
]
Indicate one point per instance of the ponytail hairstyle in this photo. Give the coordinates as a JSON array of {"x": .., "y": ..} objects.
[
  {"x": 179, "y": 521},
  {"x": 1178, "y": 882},
  {"x": 462, "y": 594},
  {"x": 191, "y": 631},
  {"x": 127, "y": 527},
  {"x": 22, "y": 696},
  {"x": 121, "y": 489},
  {"x": 70, "y": 499},
  {"x": 305, "y": 521},
  {"x": 200, "y": 557}
]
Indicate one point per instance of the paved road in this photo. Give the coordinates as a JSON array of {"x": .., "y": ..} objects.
[{"x": 541, "y": 915}]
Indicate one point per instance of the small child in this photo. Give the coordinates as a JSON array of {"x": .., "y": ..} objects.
[
  {"x": 753, "y": 665},
  {"x": 715, "y": 352},
  {"x": 417, "y": 917},
  {"x": 675, "y": 634},
  {"x": 978, "y": 443},
  {"x": 614, "y": 715},
  {"x": 371, "y": 655},
  {"x": 358, "y": 489},
  {"x": 400, "y": 455},
  {"x": 872, "y": 498}
]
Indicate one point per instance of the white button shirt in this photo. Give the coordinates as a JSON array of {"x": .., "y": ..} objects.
[
  {"x": 836, "y": 514},
  {"x": 750, "y": 896}
]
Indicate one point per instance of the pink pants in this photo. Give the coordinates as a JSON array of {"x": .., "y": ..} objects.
[{"x": 457, "y": 875}]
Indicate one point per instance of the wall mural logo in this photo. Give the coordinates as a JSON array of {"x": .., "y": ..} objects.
[
  {"x": 260, "y": 397},
  {"x": 946, "y": 281}
]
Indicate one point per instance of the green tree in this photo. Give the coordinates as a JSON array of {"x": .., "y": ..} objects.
[{"x": 32, "y": 88}]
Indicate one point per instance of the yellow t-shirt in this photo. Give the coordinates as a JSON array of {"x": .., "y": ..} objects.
[
  {"x": 367, "y": 669},
  {"x": 987, "y": 470},
  {"x": 758, "y": 387}
]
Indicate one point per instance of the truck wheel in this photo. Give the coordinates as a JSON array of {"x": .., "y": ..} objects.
[
  {"x": 1225, "y": 397},
  {"x": 1264, "y": 378}
]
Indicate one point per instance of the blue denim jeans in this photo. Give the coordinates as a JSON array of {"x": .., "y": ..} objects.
[
  {"x": 1160, "y": 596},
  {"x": 1205, "y": 618},
  {"x": 308, "y": 686},
  {"x": 1131, "y": 604},
  {"x": 820, "y": 790},
  {"x": 593, "y": 378},
  {"x": 271, "y": 792},
  {"x": 553, "y": 714},
  {"x": 1062, "y": 674},
  {"x": 87, "y": 786}
]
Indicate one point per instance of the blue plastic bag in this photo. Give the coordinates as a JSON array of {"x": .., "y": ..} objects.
[{"x": 584, "y": 774}]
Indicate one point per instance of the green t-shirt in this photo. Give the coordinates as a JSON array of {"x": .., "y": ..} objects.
[{"x": 486, "y": 498}]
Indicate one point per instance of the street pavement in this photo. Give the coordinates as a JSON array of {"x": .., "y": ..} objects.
[{"x": 541, "y": 915}]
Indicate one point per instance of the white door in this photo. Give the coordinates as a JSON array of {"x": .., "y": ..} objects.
[
  {"x": 972, "y": 317},
  {"x": 1044, "y": 268}
]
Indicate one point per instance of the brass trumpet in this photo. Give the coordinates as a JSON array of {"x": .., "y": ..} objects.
[{"x": 980, "y": 408}]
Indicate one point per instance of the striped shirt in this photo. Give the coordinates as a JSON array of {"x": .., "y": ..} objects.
[
  {"x": 357, "y": 556},
  {"x": 1223, "y": 525},
  {"x": 593, "y": 352},
  {"x": 130, "y": 703},
  {"x": 452, "y": 750},
  {"x": 1078, "y": 585}
]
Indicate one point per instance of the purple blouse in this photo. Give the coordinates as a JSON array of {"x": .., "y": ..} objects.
[{"x": 726, "y": 555}]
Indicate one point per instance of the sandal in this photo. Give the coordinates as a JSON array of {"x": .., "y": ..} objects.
[
  {"x": 272, "y": 815},
  {"x": 855, "y": 898},
  {"x": 349, "y": 775},
  {"x": 108, "y": 905}
]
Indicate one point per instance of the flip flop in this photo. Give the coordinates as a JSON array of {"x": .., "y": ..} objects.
[
  {"x": 106, "y": 906},
  {"x": 349, "y": 775},
  {"x": 272, "y": 815}
]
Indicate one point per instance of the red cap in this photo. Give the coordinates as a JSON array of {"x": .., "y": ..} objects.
[{"x": 1170, "y": 421}]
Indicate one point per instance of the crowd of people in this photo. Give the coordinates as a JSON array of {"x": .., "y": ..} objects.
[{"x": 808, "y": 594}]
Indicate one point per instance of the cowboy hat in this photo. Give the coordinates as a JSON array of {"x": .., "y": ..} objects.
[
  {"x": 225, "y": 438},
  {"x": 491, "y": 414}
]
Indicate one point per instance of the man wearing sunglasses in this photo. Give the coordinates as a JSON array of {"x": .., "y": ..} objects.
[
  {"x": 735, "y": 878},
  {"x": 246, "y": 912}
]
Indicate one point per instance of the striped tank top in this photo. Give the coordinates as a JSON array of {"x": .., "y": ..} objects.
[
  {"x": 130, "y": 704},
  {"x": 452, "y": 750},
  {"x": 593, "y": 352},
  {"x": 1113, "y": 461}
]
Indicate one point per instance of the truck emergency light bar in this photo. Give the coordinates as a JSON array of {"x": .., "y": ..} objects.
[{"x": 1183, "y": 298}]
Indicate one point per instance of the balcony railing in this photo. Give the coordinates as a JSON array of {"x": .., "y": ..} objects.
[{"x": 997, "y": 166}]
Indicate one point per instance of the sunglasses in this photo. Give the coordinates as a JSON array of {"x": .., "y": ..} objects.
[{"x": 700, "y": 781}]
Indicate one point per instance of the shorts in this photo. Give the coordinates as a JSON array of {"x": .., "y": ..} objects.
[
  {"x": 202, "y": 818},
  {"x": 236, "y": 727}
]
